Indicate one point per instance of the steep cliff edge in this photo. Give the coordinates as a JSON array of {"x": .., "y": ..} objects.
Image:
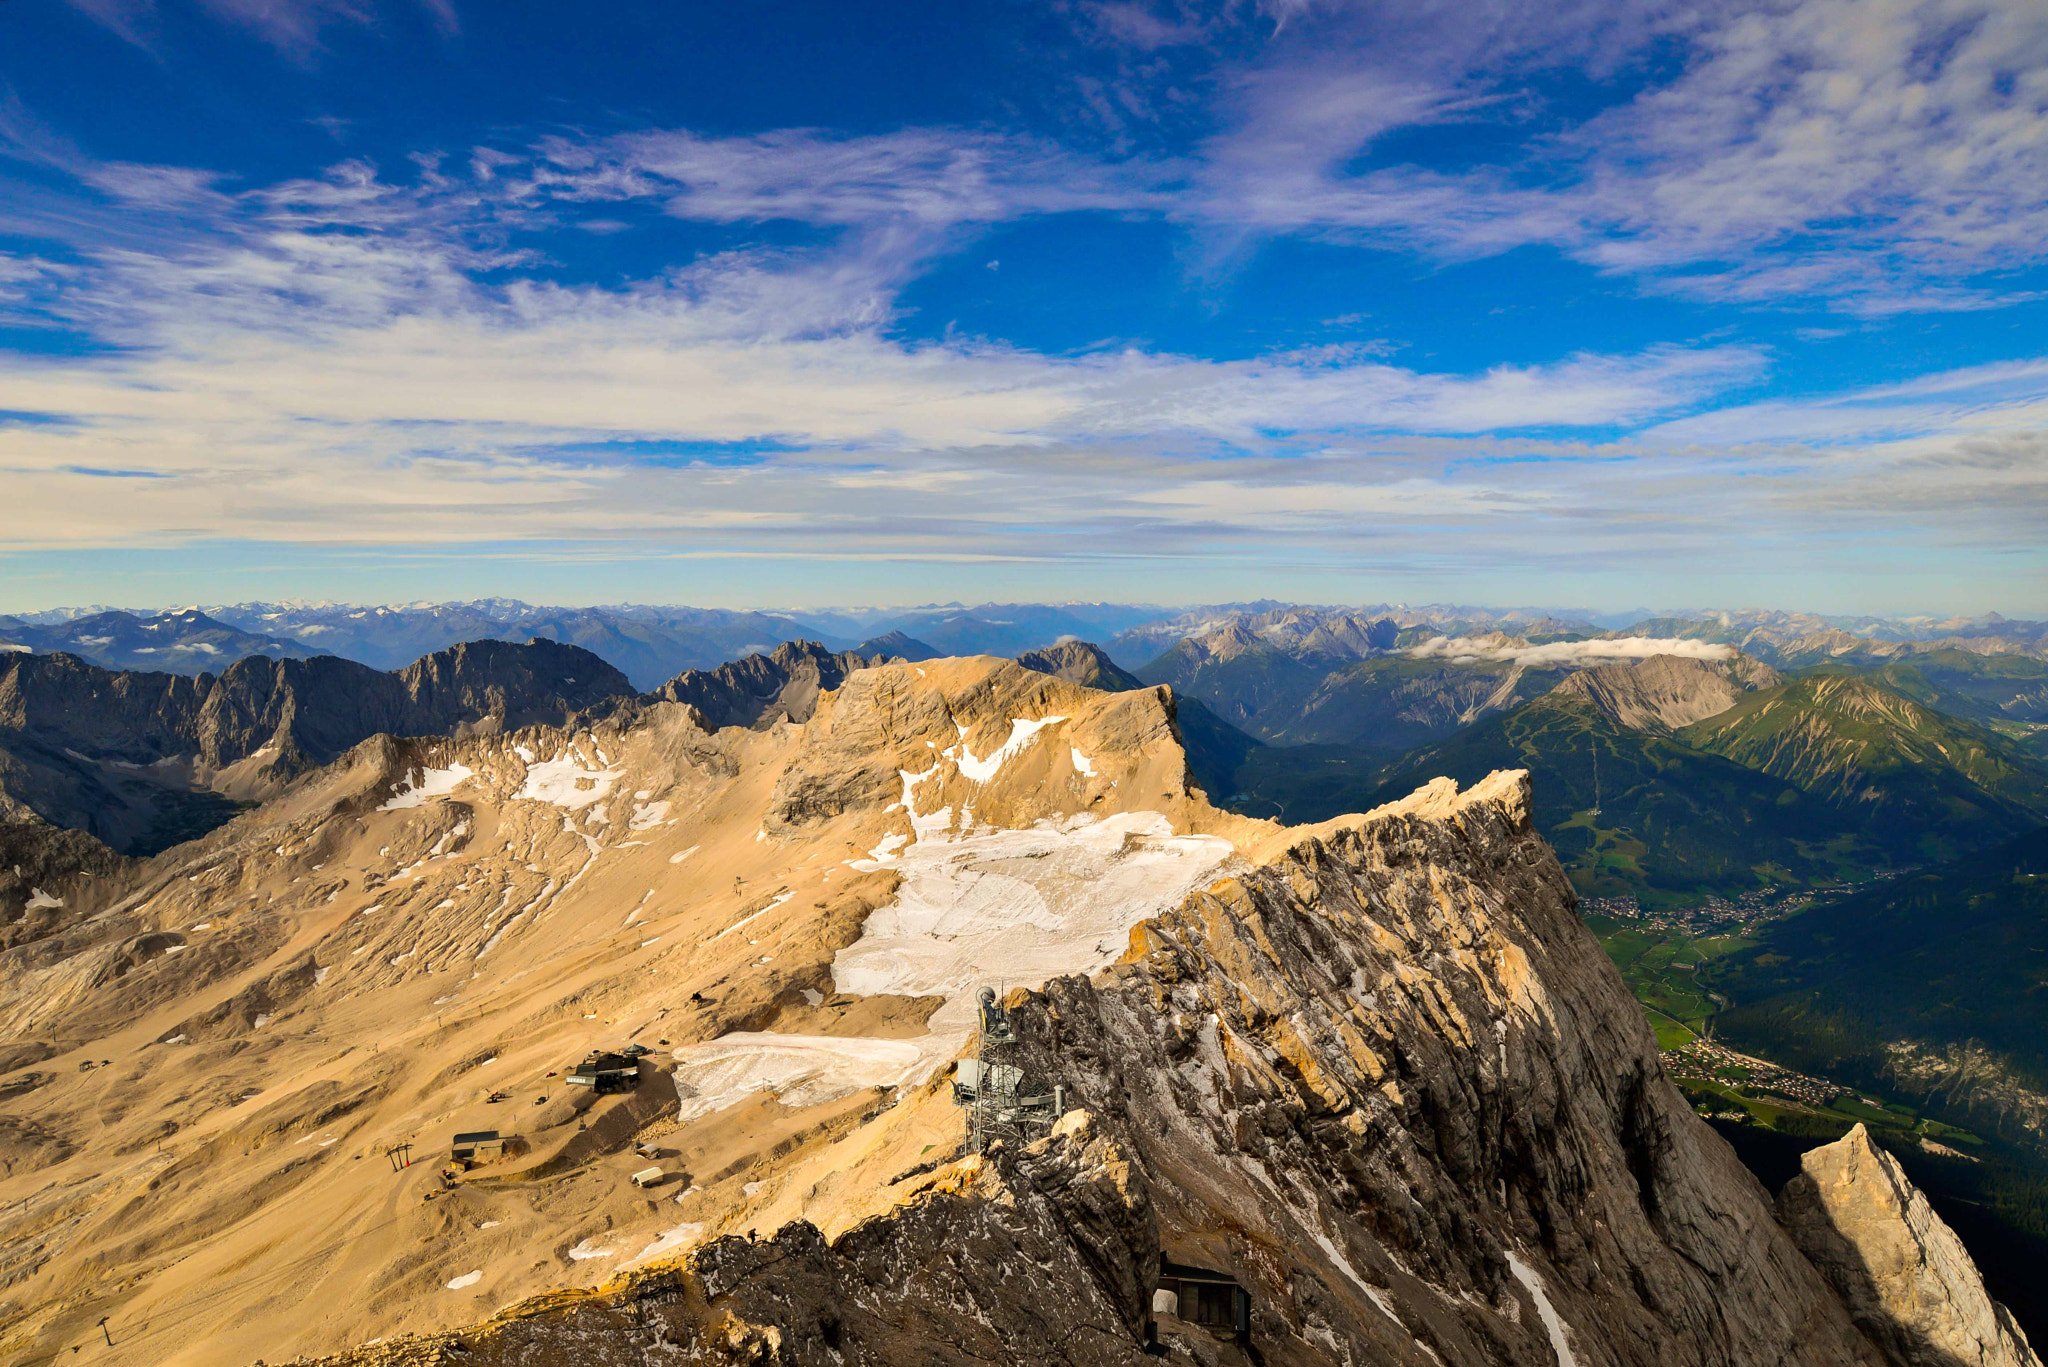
[
  {"x": 1906, "y": 1278},
  {"x": 1378, "y": 1073}
]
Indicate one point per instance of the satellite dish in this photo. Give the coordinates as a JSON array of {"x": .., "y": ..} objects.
[{"x": 987, "y": 996}]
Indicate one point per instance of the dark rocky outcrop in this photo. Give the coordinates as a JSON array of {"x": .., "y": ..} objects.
[
  {"x": 1081, "y": 663},
  {"x": 142, "y": 761},
  {"x": 894, "y": 645},
  {"x": 761, "y": 690}
]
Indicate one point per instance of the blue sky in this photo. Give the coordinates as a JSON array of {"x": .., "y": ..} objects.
[{"x": 1597, "y": 302}]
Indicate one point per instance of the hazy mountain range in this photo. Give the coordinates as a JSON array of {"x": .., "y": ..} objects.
[{"x": 652, "y": 644}]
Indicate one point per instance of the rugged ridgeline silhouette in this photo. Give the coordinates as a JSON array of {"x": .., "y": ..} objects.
[
  {"x": 1083, "y": 663},
  {"x": 785, "y": 684},
  {"x": 143, "y": 760},
  {"x": 1376, "y": 1072},
  {"x": 761, "y": 690}
]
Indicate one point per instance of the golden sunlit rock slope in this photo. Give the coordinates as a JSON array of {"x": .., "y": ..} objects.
[
  {"x": 359, "y": 963},
  {"x": 1375, "y": 1070}
]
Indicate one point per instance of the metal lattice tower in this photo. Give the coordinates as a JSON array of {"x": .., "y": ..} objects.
[{"x": 993, "y": 1085}]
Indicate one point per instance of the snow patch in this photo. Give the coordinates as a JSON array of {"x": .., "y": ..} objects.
[
  {"x": 1022, "y": 732},
  {"x": 685, "y": 854},
  {"x": 801, "y": 1070},
  {"x": 589, "y": 1249},
  {"x": 558, "y": 781},
  {"x": 882, "y": 854},
  {"x": 39, "y": 899},
  {"x": 1023, "y": 906},
  {"x": 466, "y": 1279},
  {"x": 1552, "y": 1324},
  {"x": 682, "y": 1236},
  {"x": 432, "y": 783},
  {"x": 1082, "y": 765}
]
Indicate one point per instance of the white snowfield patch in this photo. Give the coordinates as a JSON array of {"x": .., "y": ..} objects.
[
  {"x": 1082, "y": 764},
  {"x": 1014, "y": 907},
  {"x": 589, "y": 1249},
  {"x": 432, "y": 783},
  {"x": 40, "y": 899},
  {"x": 560, "y": 781},
  {"x": 881, "y": 855},
  {"x": 466, "y": 1279},
  {"x": 1568, "y": 654},
  {"x": 681, "y": 855},
  {"x": 802, "y": 1070},
  {"x": 1022, "y": 906},
  {"x": 682, "y": 1236},
  {"x": 1552, "y": 1324},
  {"x": 1022, "y": 732},
  {"x": 648, "y": 814}
]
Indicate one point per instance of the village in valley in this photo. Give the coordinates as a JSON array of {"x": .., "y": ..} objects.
[{"x": 1667, "y": 955}]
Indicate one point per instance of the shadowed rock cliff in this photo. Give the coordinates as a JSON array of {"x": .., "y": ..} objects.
[
  {"x": 760, "y": 690},
  {"x": 142, "y": 761}
]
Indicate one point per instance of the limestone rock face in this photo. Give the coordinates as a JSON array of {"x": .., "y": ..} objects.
[
  {"x": 1665, "y": 692},
  {"x": 143, "y": 760},
  {"x": 1384, "y": 1075},
  {"x": 1905, "y": 1276},
  {"x": 1082, "y": 663},
  {"x": 761, "y": 690}
]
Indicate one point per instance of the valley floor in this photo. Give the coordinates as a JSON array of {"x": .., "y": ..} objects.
[{"x": 1772, "y": 1112}]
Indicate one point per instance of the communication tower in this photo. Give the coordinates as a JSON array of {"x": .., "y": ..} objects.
[{"x": 1002, "y": 1101}]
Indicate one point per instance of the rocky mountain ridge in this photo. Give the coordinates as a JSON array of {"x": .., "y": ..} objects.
[
  {"x": 1376, "y": 1071},
  {"x": 1667, "y": 692},
  {"x": 761, "y": 690},
  {"x": 139, "y": 759}
]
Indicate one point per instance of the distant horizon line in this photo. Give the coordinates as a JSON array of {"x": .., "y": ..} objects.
[{"x": 1587, "y": 613}]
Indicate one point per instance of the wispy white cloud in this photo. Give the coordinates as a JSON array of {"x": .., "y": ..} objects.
[
  {"x": 323, "y": 361},
  {"x": 355, "y": 359},
  {"x": 1875, "y": 152},
  {"x": 293, "y": 27},
  {"x": 1986, "y": 400}
]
